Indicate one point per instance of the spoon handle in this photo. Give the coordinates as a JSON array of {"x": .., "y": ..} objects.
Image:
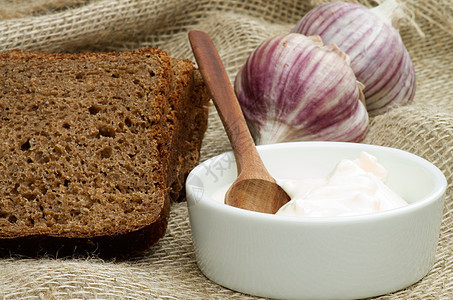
[{"x": 226, "y": 103}]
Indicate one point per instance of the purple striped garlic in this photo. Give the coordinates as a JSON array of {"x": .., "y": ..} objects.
[
  {"x": 294, "y": 88},
  {"x": 371, "y": 39}
]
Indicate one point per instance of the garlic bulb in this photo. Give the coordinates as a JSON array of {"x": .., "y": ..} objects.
[
  {"x": 293, "y": 88},
  {"x": 371, "y": 39}
]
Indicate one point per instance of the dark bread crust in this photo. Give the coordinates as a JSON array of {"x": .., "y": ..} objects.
[
  {"x": 122, "y": 204},
  {"x": 119, "y": 246}
]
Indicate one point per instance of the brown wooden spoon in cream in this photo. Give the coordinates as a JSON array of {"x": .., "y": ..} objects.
[{"x": 254, "y": 189}]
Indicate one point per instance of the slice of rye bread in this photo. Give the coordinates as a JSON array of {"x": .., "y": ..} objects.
[
  {"x": 184, "y": 119},
  {"x": 94, "y": 147}
]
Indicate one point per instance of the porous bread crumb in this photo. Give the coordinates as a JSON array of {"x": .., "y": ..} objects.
[{"x": 92, "y": 143}]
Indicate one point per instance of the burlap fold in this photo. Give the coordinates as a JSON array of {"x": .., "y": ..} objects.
[{"x": 168, "y": 270}]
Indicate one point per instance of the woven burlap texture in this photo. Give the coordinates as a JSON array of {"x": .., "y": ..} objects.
[{"x": 169, "y": 270}]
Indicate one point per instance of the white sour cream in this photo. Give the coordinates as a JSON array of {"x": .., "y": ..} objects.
[{"x": 354, "y": 187}]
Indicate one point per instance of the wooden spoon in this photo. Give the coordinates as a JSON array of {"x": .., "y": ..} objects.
[{"x": 254, "y": 189}]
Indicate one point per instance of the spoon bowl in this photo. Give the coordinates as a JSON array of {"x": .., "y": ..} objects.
[{"x": 254, "y": 189}]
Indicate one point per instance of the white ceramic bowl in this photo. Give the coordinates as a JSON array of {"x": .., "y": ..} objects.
[{"x": 317, "y": 258}]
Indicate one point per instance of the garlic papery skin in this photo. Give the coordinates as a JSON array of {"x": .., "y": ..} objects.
[
  {"x": 378, "y": 56},
  {"x": 294, "y": 88}
]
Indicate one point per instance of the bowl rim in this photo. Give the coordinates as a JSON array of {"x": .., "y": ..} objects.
[{"x": 437, "y": 192}]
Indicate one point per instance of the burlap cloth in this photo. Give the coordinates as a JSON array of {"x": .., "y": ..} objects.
[{"x": 169, "y": 270}]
